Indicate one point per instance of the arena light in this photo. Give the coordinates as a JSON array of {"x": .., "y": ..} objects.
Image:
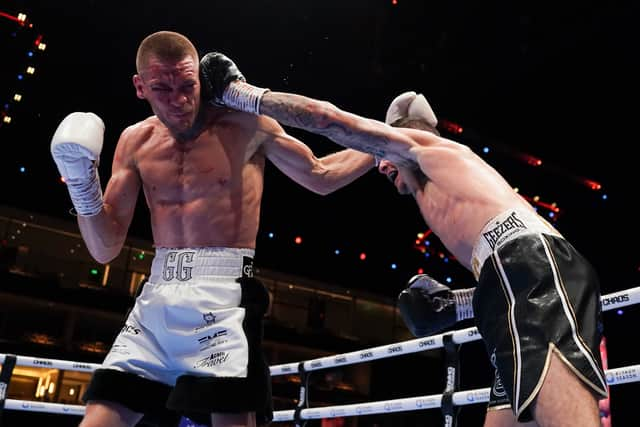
[
  {"x": 593, "y": 185},
  {"x": 31, "y": 40},
  {"x": 451, "y": 127},
  {"x": 530, "y": 160}
]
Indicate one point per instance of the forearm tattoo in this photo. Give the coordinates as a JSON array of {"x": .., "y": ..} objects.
[{"x": 301, "y": 112}]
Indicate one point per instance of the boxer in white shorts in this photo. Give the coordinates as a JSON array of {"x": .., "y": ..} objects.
[
  {"x": 192, "y": 338},
  {"x": 192, "y": 341}
]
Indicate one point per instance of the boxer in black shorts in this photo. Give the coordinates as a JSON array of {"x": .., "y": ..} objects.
[
  {"x": 461, "y": 196},
  {"x": 535, "y": 295}
]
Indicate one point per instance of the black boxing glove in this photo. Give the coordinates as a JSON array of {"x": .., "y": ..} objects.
[
  {"x": 428, "y": 307},
  {"x": 223, "y": 84}
]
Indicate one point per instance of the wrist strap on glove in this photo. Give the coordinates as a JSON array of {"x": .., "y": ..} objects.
[
  {"x": 86, "y": 196},
  {"x": 243, "y": 96},
  {"x": 464, "y": 303}
]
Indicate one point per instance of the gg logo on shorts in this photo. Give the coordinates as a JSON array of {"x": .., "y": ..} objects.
[{"x": 175, "y": 266}]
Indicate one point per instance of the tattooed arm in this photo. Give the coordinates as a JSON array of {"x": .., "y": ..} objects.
[
  {"x": 344, "y": 128},
  {"x": 224, "y": 84},
  {"x": 320, "y": 175}
]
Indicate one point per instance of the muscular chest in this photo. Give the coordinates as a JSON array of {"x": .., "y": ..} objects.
[{"x": 210, "y": 163}]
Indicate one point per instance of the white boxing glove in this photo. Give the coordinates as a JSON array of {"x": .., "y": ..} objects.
[
  {"x": 76, "y": 147},
  {"x": 410, "y": 104}
]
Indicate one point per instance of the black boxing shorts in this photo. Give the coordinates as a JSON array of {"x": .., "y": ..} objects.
[{"x": 536, "y": 295}]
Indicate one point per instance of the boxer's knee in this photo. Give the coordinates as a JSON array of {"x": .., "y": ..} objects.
[{"x": 102, "y": 413}]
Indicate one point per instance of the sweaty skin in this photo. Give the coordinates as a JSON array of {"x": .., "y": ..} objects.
[
  {"x": 201, "y": 168},
  {"x": 456, "y": 191},
  {"x": 461, "y": 194}
]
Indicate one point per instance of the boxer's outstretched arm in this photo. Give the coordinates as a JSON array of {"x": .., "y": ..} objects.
[
  {"x": 344, "y": 128},
  {"x": 224, "y": 84}
]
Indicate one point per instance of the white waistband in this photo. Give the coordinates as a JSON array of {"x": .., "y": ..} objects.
[
  {"x": 503, "y": 228},
  {"x": 184, "y": 264}
]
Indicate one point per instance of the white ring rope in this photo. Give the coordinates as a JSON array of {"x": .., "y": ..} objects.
[
  {"x": 615, "y": 376},
  {"x": 609, "y": 302},
  {"x": 626, "y": 374}
]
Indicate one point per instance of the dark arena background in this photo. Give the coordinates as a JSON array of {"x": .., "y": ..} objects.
[{"x": 546, "y": 93}]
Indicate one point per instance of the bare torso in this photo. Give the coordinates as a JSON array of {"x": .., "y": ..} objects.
[
  {"x": 461, "y": 195},
  {"x": 205, "y": 191}
]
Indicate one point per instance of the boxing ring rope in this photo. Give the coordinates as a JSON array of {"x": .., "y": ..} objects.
[{"x": 622, "y": 375}]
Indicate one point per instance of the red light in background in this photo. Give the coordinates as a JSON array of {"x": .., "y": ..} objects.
[
  {"x": 298, "y": 240},
  {"x": 11, "y": 17},
  {"x": 530, "y": 160},
  {"x": 363, "y": 256},
  {"x": 595, "y": 186},
  {"x": 451, "y": 126}
]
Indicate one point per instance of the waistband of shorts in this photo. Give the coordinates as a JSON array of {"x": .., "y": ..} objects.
[
  {"x": 503, "y": 228},
  {"x": 184, "y": 264}
]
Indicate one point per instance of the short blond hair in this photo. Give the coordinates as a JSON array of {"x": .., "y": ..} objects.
[{"x": 166, "y": 46}]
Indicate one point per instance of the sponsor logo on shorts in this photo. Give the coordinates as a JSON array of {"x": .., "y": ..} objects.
[
  {"x": 214, "y": 359},
  {"x": 498, "y": 389},
  {"x": 503, "y": 229},
  {"x": 130, "y": 329},
  {"x": 41, "y": 362},
  {"x": 178, "y": 265},
  {"x": 247, "y": 267},
  {"x": 213, "y": 340},
  {"x": 208, "y": 318},
  {"x": 120, "y": 349}
]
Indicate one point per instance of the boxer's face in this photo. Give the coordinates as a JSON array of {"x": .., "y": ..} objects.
[
  {"x": 394, "y": 175},
  {"x": 172, "y": 90}
]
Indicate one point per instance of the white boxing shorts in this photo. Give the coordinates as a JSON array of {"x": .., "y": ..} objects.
[{"x": 192, "y": 339}]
